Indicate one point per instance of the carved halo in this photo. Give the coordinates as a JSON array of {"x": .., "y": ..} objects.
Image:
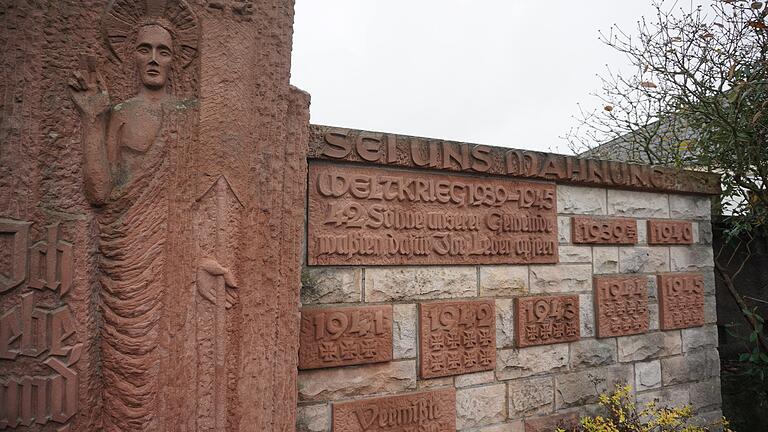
[{"x": 123, "y": 17}]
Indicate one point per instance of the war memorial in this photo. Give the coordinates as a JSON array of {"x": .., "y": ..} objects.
[{"x": 181, "y": 250}]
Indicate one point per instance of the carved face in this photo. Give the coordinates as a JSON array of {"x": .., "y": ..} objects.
[{"x": 153, "y": 55}]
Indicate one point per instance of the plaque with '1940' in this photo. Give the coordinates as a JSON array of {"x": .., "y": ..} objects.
[
  {"x": 344, "y": 336},
  {"x": 375, "y": 216}
]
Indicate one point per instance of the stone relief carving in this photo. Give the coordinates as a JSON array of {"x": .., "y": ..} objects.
[{"x": 127, "y": 171}]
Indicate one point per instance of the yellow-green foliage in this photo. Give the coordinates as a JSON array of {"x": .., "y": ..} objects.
[{"x": 621, "y": 414}]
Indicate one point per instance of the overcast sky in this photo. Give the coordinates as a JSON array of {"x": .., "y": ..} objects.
[{"x": 499, "y": 72}]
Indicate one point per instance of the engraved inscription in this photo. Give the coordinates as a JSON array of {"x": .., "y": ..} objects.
[
  {"x": 681, "y": 300},
  {"x": 670, "y": 232},
  {"x": 407, "y": 151},
  {"x": 621, "y": 304},
  {"x": 30, "y": 330},
  {"x": 546, "y": 320},
  {"x": 457, "y": 337},
  {"x": 430, "y": 411},
  {"x": 589, "y": 230},
  {"x": 383, "y": 216},
  {"x": 345, "y": 336}
]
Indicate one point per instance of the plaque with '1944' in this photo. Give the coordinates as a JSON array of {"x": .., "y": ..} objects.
[{"x": 345, "y": 336}]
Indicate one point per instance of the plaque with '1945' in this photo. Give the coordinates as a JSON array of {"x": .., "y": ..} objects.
[{"x": 345, "y": 336}]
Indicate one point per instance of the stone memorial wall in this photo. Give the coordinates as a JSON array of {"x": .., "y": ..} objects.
[{"x": 520, "y": 285}]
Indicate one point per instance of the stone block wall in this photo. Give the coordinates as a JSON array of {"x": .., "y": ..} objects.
[{"x": 676, "y": 366}]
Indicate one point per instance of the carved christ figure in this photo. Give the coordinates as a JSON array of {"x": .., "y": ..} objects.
[{"x": 126, "y": 172}]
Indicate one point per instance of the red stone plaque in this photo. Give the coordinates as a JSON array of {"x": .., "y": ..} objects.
[
  {"x": 379, "y": 216},
  {"x": 670, "y": 232},
  {"x": 457, "y": 337},
  {"x": 681, "y": 300},
  {"x": 345, "y": 336},
  {"x": 621, "y": 305},
  {"x": 546, "y": 320},
  {"x": 590, "y": 230},
  {"x": 423, "y": 411}
]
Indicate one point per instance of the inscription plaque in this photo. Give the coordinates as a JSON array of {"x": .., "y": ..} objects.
[
  {"x": 670, "y": 232},
  {"x": 681, "y": 300},
  {"x": 429, "y": 411},
  {"x": 457, "y": 337},
  {"x": 367, "y": 215},
  {"x": 621, "y": 305},
  {"x": 546, "y": 320},
  {"x": 590, "y": 230},
  {"x": 345, "y": 336}
]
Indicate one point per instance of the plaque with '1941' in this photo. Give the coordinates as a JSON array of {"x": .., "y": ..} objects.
[{"x": 345, "y": 336}]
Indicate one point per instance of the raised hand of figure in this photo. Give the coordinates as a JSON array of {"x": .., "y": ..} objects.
[
  {"x": 88, "y": 90},
  {"x": 208, "y": 271}
]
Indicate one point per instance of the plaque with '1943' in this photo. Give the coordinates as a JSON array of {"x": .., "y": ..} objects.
[
  {"x": 546, "y": 320},
  {"x": 345, "y": 336}
]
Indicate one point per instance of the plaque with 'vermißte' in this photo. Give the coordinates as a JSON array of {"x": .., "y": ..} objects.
[{"x": 362, "y": 215}]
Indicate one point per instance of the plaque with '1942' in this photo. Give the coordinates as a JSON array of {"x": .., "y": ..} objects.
[
  {"x": 345, "y": 336},
  {"x": 457, "y": 337}
]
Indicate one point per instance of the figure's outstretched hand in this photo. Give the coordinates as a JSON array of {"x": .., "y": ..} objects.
[
  {"x": 208, "y": 269},
  {"x": 88, "y": 90}
]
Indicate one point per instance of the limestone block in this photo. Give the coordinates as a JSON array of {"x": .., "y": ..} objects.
[
  {"x": 637, "y": 204},
  {"x": 709, "y": 281},
  {"x": 419, "y": 283},
  {"x": 480, "y": 406},
  {"x": 575, "y": 254},
  {"x": 564, "y": 278},
  {"x": 705, "y": 232},
  {"x": 512, "y": 426},
  {"x": 708, "y": 418},
  {"x": 331, "y": 285},
  {"x": 693, "y": 366},
  {"x": 473, "y": 379},
  {"x": 505, "y": 323},
  {"x": 710, "y": 309},
  {"x": 593, "y": 352},
  {"x": 580, "y": 200},
  {"x": 691, "y": 258},
  {"x": 520, "y": 363},
  {"x": 605, "y": 259},
  {"x": 705, "y": 395},
  {"x": 352, "y": 381},
  {"x": 647, "y": 375},
  {"x": 650, "y": 345},
  {"x": 653, "y": 316},
  {"x": 643, "y": 259},
  {"x": 581, "y": 388},
  {"x": 699, "y": 337},
  {"x": 313, "y": 418},
  {"x": 642, "y": 231},
  {"x": 690, "y": 207},
  {"x": 696, "y": 231},
  {"x": 652, "y": 288},
  {"x": 586, "y": 315},
  {"x": 433, "y": 383},
  {"x": 531, "y": 396},
  {"x": 676, "y": 396},
  {"x": 563, "y": 229},
  {"x": 404, "y": 331},
  {"x": 502, "y": 281}
]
